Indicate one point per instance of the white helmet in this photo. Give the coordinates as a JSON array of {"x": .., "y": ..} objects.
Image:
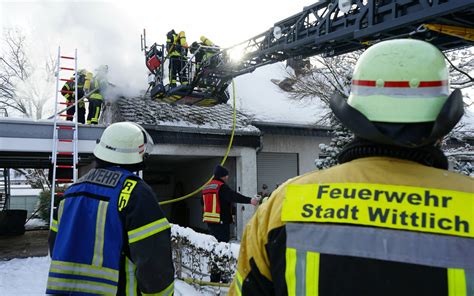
[{"x": 123, "y": 143}]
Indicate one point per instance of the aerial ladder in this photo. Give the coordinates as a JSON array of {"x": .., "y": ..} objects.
[{"x": 327, "y": 28}]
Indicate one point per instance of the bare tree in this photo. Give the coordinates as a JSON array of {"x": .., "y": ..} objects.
[
  {"x": 332, "y": 75},
  {"x": 24, "y": 88},
  {"x": 14, "y": 67}
]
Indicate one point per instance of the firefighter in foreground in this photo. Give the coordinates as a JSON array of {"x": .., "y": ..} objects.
[
  {"x": 109, "y": 236},
  {"x": 390, "y": 219},
  {"x": 217, "y": 201},
  {"x": 68, "y": 92}
]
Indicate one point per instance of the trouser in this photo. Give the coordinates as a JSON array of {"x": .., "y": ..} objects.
[
  {"x": 81, "y": 112},
  {"x": 176, "y": 66},
  {"x": 94, "y": 111},
  {"x": 222, "y": 233}
]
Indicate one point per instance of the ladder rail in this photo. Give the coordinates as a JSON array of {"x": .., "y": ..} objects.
[
  {"x": 72, "y": 143},
  {"x": 55, "y": 137}
]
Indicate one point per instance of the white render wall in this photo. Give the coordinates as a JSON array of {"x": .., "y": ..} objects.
[{"x": 307, "y": 148}]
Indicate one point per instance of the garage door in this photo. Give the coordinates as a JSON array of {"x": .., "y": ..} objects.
[{"x": 275, "y": 168}]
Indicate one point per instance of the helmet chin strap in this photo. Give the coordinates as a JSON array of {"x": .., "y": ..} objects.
[{"x": 428, "y": 133}]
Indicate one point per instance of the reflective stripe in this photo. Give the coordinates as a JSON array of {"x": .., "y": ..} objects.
[
  {"x": 290, "y": 271},
  {"x": 83, "y": 269},
  {"x": 130, "y": 280},
  {"x": 99, "y": 233},
  {"x": 54, "y": 226},
  {"x": 312, "y": 273},
  {"x": 302, "y": 272},
  {"x": 403, "y": 84},
  {"x": 456, "y": 282},
  {"x": 77, "y": 285},
  {"x": 60, "y": 210},
  {"x": 421, "y": 92},
  {"x": 383, "y": 244},
  {"x": 214, "y": 203},
  {"x": 102, "y": 269},
  {"x": 168, "y": 291},
  {"x": 148, "y": 230},
  {"x": 238, "y": 283}
]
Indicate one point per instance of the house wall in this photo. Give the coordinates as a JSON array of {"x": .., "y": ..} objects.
[{"x": 307, "y": 148}]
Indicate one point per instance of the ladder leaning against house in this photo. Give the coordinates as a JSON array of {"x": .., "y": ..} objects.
[{"x": 64, "y": 156}]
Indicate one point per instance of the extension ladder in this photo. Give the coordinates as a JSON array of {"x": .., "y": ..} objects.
[{"x": 64, "y": 157}]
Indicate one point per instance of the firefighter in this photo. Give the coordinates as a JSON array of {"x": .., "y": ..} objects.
[
  {"x": 177, "y": 48},
  {"x": 204, "y": 54},
  {"x": 217, "y": 209},
  {"x": 68, "y": 92},
  {"x": 109, "y": 236},
  {"x": 390, "y": 219},
  {"x": 98, "y": 85}
]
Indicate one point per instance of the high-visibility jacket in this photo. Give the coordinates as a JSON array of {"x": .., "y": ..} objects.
[
  {"x": 176, "y": 45},
  {"x": 371, "y": 226},
  {"x": 104, "y": 242},
  {"x": 211, "y": 202},
  {"x": 69, "y": 87},
  {"x": 99, "y": 84}
]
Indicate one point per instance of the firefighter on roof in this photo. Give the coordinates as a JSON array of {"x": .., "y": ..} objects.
[
  {"x": 109, "y": 236},
  {"x": 177, "y": 48},
  {"x": 67, "y": 91},
  {"x": 390, "y": 219},
  {"x": 98, "y": 85},
  {"x": 217, "y": 212}
]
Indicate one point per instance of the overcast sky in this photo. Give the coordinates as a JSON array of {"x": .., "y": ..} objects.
[{"x": 108, "y": 32}]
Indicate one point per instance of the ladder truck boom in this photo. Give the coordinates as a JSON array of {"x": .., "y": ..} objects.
[{"x": 328, "y": 28}]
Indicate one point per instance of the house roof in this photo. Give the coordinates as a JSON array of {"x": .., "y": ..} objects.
[{"x": 183, "y": 118}]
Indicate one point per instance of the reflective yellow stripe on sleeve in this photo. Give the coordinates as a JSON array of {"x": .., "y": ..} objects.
[
  {"x": 168, "y": 291},
  {"x": 131, "y": 281},
  {"x": 456, "y": 282},
  {"x": 148, "y": 230},
  {"x": 54, "y": 226},
  {"x": 238, "y": 283}
]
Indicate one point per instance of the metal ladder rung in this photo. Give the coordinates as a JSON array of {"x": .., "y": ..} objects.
[
  {"x": 63, "y": 166},
  {"x": 64, "y": 180},
  {"x": 65, "y": 127},
  {"x": 67, "y": 58},
  {"x": 66, "y": 91},
  {"x": 66, "y": 103},
  {"x": 69, "y": 69},
  {"x": 67, "y": 80},
  {"x": 66, "y": 115},
  {"x": 65, "y": 153},
  {"x": 65, "y": 140}
]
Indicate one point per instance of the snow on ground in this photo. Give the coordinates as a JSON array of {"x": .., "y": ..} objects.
[
  {"x": 28, "y": 277},
  {"x": 258, "y": 96},
  {"x": 35, "y": 223}
]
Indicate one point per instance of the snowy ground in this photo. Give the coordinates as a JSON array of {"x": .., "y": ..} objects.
[{"x": 28, "y": 277}]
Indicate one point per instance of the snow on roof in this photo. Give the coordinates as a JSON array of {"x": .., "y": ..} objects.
[{"x": 150, "y": 112}]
